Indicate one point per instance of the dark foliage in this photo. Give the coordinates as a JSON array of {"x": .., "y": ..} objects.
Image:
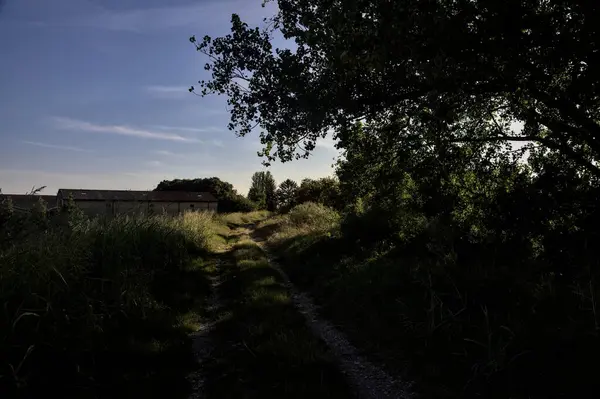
[
  {"x": 94, "y": 306},
  {"x": 262, "y": 190},
  {"x": 323, "y": 191},
  {"x": 286, "y": 195},
  {"x": 229, "y": 199},
  {"x": 468, "y": 182}
]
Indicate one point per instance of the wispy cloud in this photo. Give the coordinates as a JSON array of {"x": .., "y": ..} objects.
[
  {"x": 165, "y": 153},
  {"x": 327, "y": 142},
  {"x": 55, "y": 146},
  {"x": 209, "y": 129},
  {"x": 167, "y": 89},
  {"x": 169, "y": 157},
  {"x": 123, "y": 130},
  {"x": 168, "y": 92}
]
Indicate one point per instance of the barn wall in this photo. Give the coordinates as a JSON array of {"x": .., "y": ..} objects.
[
  {"x": 131, "y": 207},
  {"x": 197, "y": 206},
  {"x": 170, "y": 208},
  {"x": 102, "y": 208},
  {"x": 95, "y": 208}
]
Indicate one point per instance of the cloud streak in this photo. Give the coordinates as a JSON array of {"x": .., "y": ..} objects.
[
  {"x": 167, "y": 89},
  {"x": 123, "y": 130},
  {"x": 168, "y": 92},
  {"x": 56, "y": 146},
  {"x": 327, "y": 142},
  {"x": 190, "y": 129},
  {"x": 165, "y": 153}
]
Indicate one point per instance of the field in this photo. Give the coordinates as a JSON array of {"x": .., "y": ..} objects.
[
  {"x": 127, "y": 306},
  {"x": 196, "y": 306}
]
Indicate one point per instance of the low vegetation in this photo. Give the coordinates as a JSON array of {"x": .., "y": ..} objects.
[
  {"x": 263, "y": 347},
  {"x": 237, "y": 219},
  {"x": 103, "y": 306},
  {"x": 467, "y": 182},
  {"x": 457, "y": 327}
]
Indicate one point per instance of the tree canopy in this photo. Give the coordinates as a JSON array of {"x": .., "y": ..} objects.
[
  {"x": 470, "y": 140},
  {"x": 229, "y": 199},
  {"x": 262, "y": 190},
  {"x": 433, "y": 72},
  {"x": 323, "y": 191},
  {"x": 286, "y": 194}
]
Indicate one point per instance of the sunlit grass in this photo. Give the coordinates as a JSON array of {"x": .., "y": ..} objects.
[
  {"x": 243, "y": 218},
  {"x": 265, "y": 349}
]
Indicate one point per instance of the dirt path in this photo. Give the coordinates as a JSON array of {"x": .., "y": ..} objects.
[
  {"x": 369, "y": 381},
  {"x": 363, "y": 378},
  {"x": 202, "y": 344}
]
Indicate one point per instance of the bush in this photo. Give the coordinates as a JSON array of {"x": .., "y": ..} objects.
[
  {"x": 493, "y": 298},
  {"x": 313, "y": 216},
  {"x": 236, "y": 203}
]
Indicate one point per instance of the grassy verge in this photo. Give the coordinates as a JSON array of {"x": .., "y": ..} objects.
[
  {"x": 104, "y": 307},
  {"x": 263, "y": 347}
]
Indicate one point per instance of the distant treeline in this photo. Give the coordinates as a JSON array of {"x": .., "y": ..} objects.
[{"x": 264, "y": 192}]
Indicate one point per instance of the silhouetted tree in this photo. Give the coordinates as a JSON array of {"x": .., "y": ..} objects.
[
  {"x": 262, "y": 190},
  {"x": 286, "y": 194}
]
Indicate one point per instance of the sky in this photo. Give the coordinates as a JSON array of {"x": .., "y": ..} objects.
[{"x": 93, "y": 94}]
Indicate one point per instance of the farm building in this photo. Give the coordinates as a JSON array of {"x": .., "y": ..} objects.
[{"x": 113, "y": 202}]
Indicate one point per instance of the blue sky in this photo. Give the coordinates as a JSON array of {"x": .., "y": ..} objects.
[{"x": 93, "y": 94}]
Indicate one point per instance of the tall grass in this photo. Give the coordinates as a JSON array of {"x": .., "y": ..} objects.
[
  {"x": 242, "y": 218},
  {"x": 76, "y": 298},
  {"x": 304, "y": 220}
]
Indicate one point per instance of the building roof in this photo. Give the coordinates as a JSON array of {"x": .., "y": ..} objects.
[{"x": 126, "y": 195}]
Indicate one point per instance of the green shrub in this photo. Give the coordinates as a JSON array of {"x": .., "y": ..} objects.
[
  {"x": 236, "y": 203},
  {"x": 313, "y": 215}
]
